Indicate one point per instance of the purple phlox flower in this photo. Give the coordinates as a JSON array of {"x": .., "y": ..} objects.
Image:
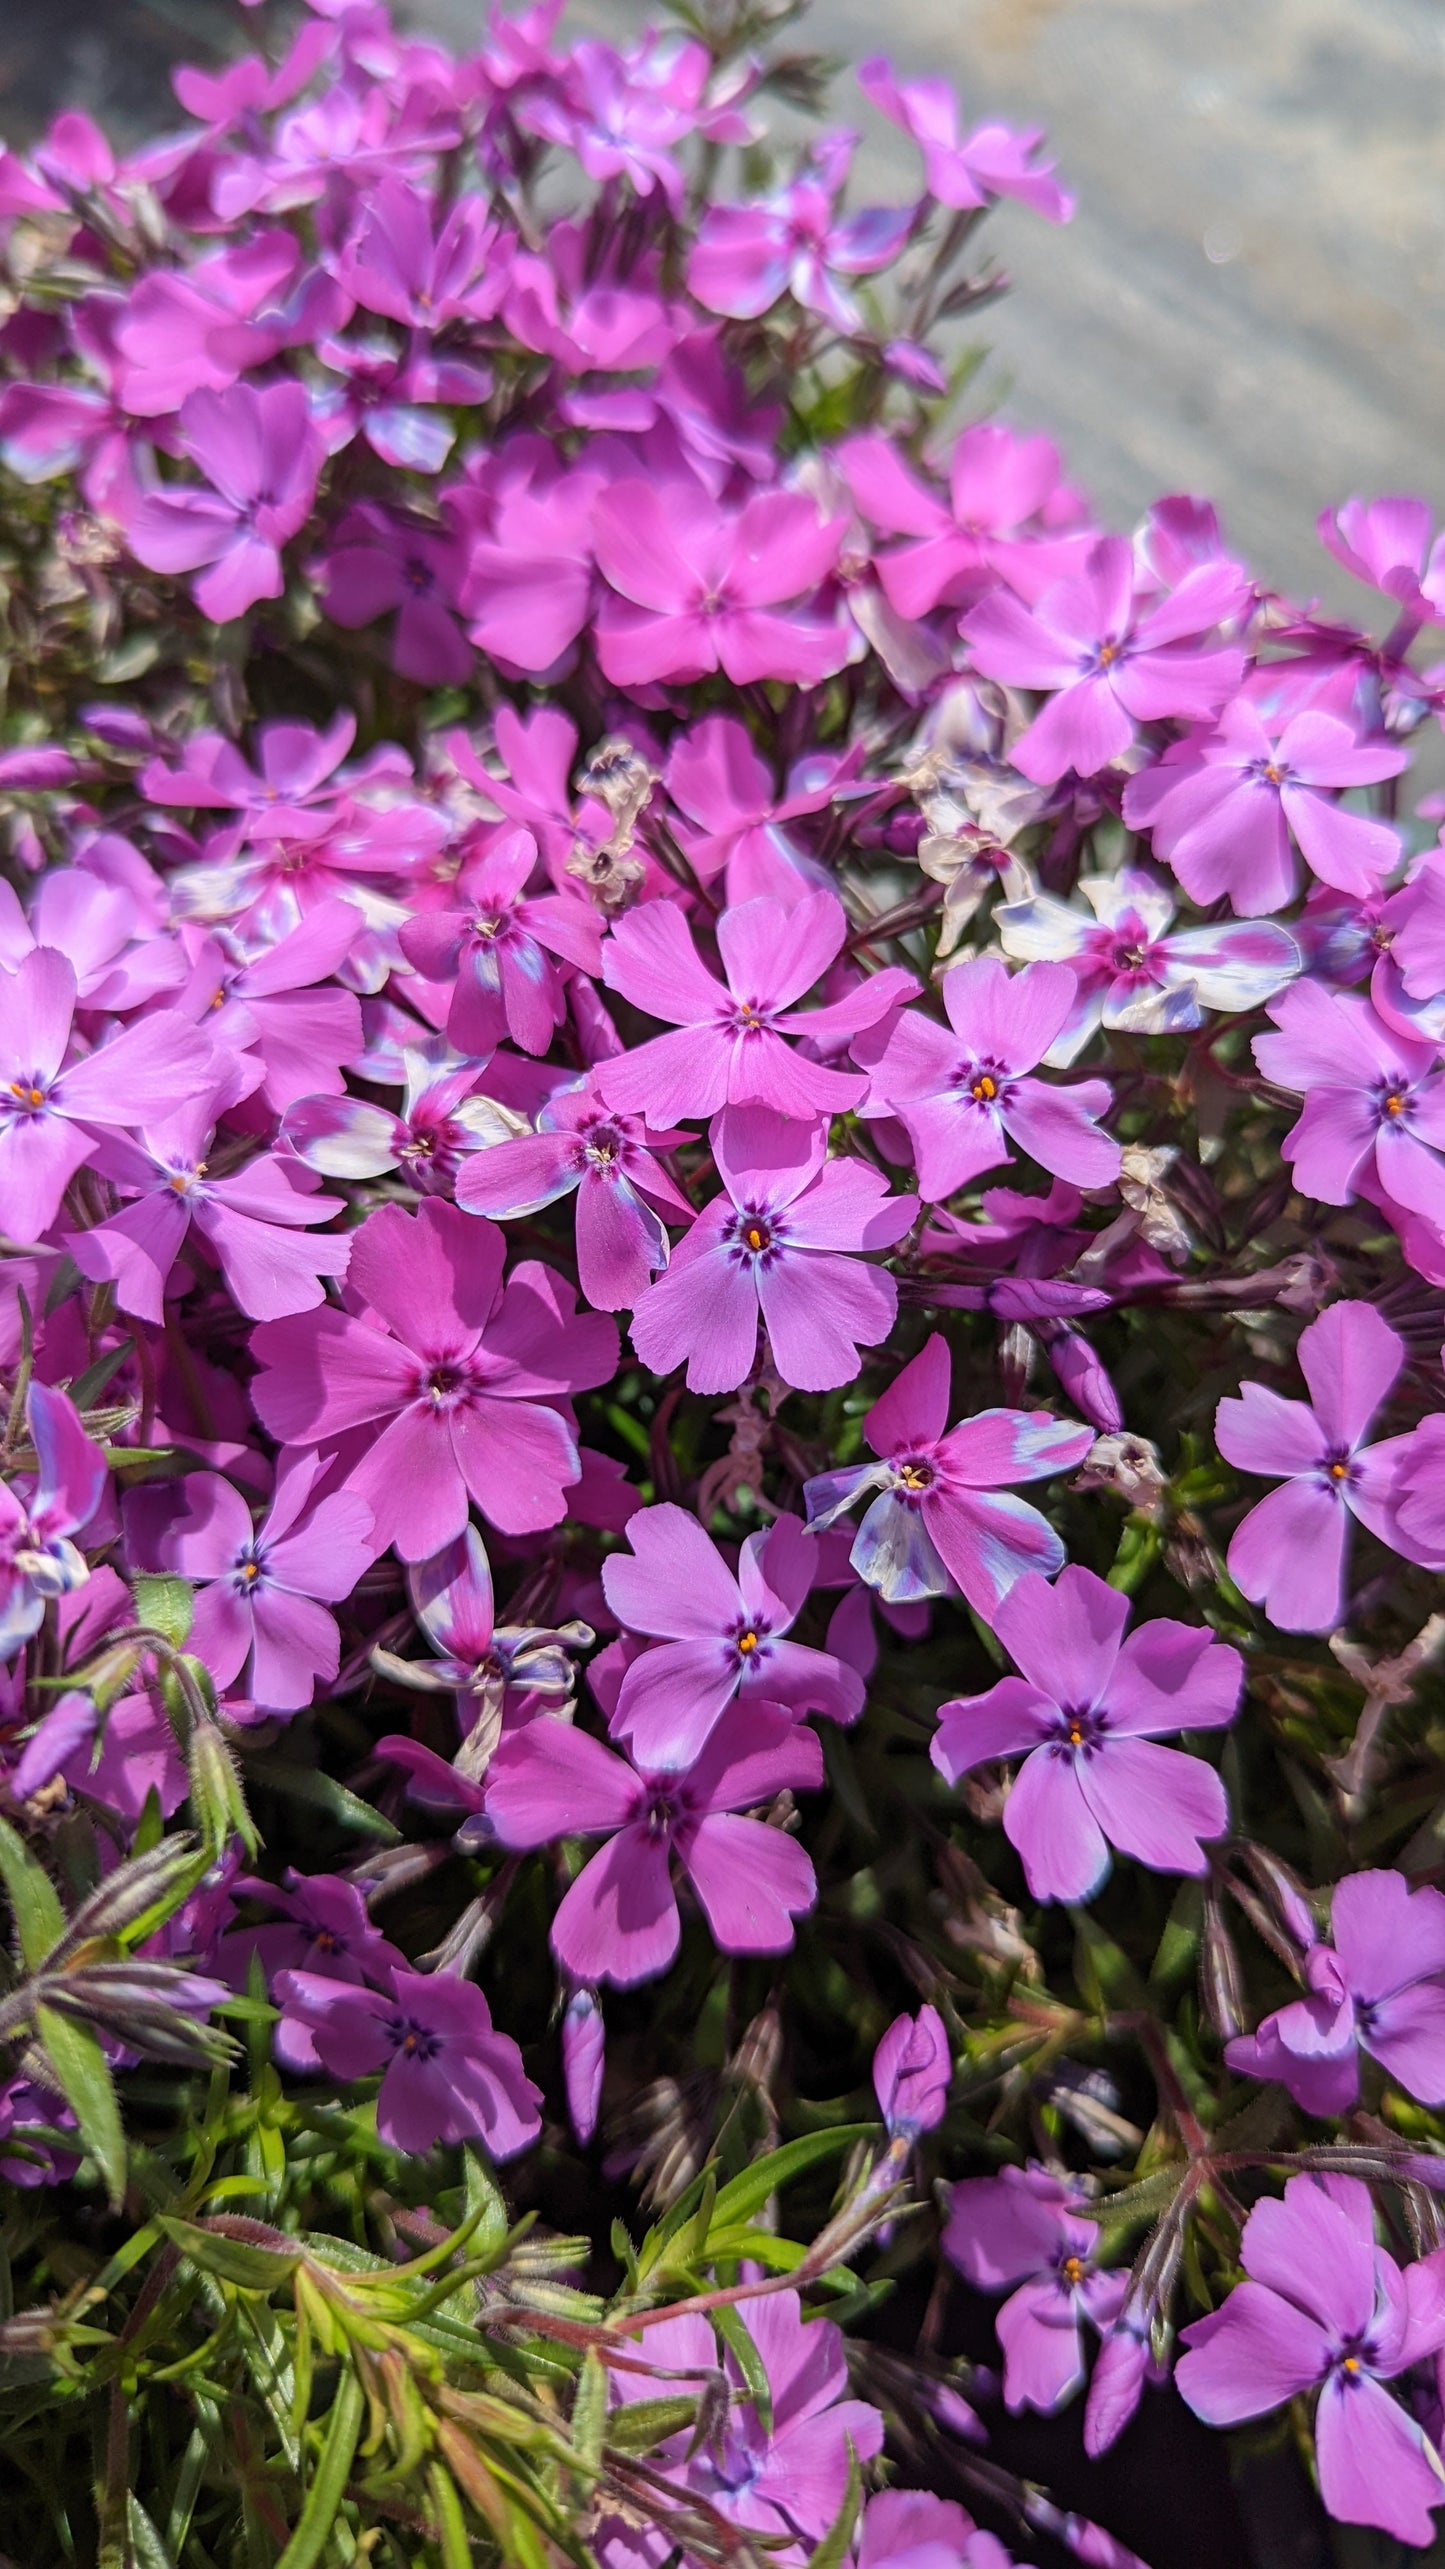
[
  {"x": 396, "y": 266},
  {"x": 1131, "y": 972},
  {"x": 733, "y": 816},
  {"x": 261, "y": 452},
  {"x": 469, "y": 1375},
  {"x": 29, "y": 2118},
  {"x": 944, "y": 1511},
  {"x": 1008, "y": 515},
  {"x": 908, "y": 2529},
  {"x": 1084, "y": 1713},
  {"x": 1403, "y": 946},
  {"x": 609, "y": 1162},
  {"x": 785, "y": 2483},
  {"x": 992, "y": 161},
  {"x": 1325, "y": 2309},
  {"x": 716, "y": 1636},
  {"x": 183, "y": 331},
  {"x": 441, "y": 1122},
  {"x": 1418, "y": 1493},
  {"x": 260, "y": 1620},
  {"x": 734, "y": 1050},
  {"x": 1378, "y": 1986},
  {"x": 1386, "y": 543},
  {"x": 527, "y": 582},
  {"x": 1227, "y": 808},
  {"x": 1289, "y": 1553},
  {"x": 55, "y": 1103},
  {"x": 117, "y": 1760},
  {"x": 912, "y": 2069},
  {"x": 534, "y": 790},
  {"x": 776, "y": 1244},
  {"x": 794, "y": 241},
  {"x": 282, "y": 1004},
  {"x": 499, "y": 949},
  {"x": 323, "y": 1929},
  {"x": 622, "y": 114},
  {"x": 447, "y": 2074},
  {"x": 1108, "y": 657},
  {"x": 619, "y": 1920},
  {"x": 295, "y": 768},
  {"x": 963, "y": 1091},
  {"x": 119, "y": 961},
  {"x": 353, "y": 133},
  {"x": 378, "y": 561},
  {"x": 38, "y": 1557},
  {"x": 391, "y": 400},
  {"x": 254, "y": 1221},
  {"x": 1021, "y": 2229},
  {"x": 611, "y": 316},
  {"x": 1373, "y": 1119},
  {"x": 500, "y": 1674},
  {"x": 695, "y": 586},
  {"x": 1124, "y": 2363},
  {"x": 243, "y": 88},
  {"x": 584, "y": 2059}
]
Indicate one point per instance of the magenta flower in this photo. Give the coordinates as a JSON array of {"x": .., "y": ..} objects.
[
  {"x": 1132, "y": 971},
  {"x": 990, "y": 162},
  {"x": 396, "y": 266},
  {"x": 51, "y": 1099},
  {"x": 527, "y": 578},
  {"x": 258, "y": 1620},
  {"x": 908, "y": 2529},
  {"x": 733, "y": 817},
  {"x": 1325, "y": 2309},
  {"x": 941, "y": 1514},
  {"x": 261, "y": 452},
  {"x": 440, "y": 1124},
  {"x": 323, "y": 1928},
  {"x": 1386, "y": 543},
  {"x": 1021, "y": 2229},
  {"x": 392, "y": 402},
  {"x": 694, "y": 586},
  {"x": 718, "y": 1636},
  {"x": 912, "y": 2072},
  {"x": 499, "y": 949},
  {"x": 1378, "y": 1986},
  {"x": 1108, "y": 661},
  {"x": 381, "y": 561},
  {"x": 1289, "y": 1553},
  {"x": 1373, "y": 1120},
  {"x": 1084, "y": 1712},
  {"x": 447, "y": 2074},
  {"x": 295, "y": 768},
  {"x": 623, "y": 114},
  {"x": 1227, "y": 808},
  {"x": 463, "y": 1370},
  {"x": 1005, "y": 492},
  {"x": 283, "y": 1004},
  {"x": 619, "y": 1921},
  {"x": 621, "y": 1187},
  {"x": 38, "y": 1558},
  {"x": 776, "y": 1245},
  {"x": 794, "y": 242},
  {"x": 734, "y": 1050},
  {"x": 963, "y": 1091},
  {"x": 500, "y": 1675}
]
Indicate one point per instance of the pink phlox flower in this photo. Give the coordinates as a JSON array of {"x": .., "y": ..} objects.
[
  {"x": 56, "y": 1103},
  {"x": 1008, "y": 515},
  {"x": 1132, "y": 973},
  {"x": 1386, "y": 544},
  {"x": 392, "y": 401},
  {"x": 323, "y": 1929},
  {"x": 609, "y": 1161},
  {"x": 348, "y": 138},
  {"x": 912, "y": 2073},
  {"x": 793, "y": 241},
  {"x": 500, "y": 1674},
  {"x": 1107, "y": 658},
  {"x": 1323, "y": 2309},
  {"x": 623, "y": 115},
  {"x": 908, "y": 2529},
  {"x": 261, "y": 452},
  {"x": 1289, "y": 1553},
  {"x": 1084, "y": 1713},
  {"x": 39, "y": 1558},
  {"x": 441, "y": 1122},
  {"x": 499, "y": 949},
  {"x": 619, "y": 1919},
  {"x": 198, "y": 329},
  {"x": 29, "y": 2116},
  {"x": 943, "y": 1510},
  {"x": 260, "y": 1618},
  {"x": 695, "y": 586},
  {"x": 380, "y": 561},
  {"x": 780, "y": 1243},
  {"x": 527, "y": 585},
  {"x": 263, "y": 876},
  {"x": 1377, "y": 1986},
  {"x": 251, "y": 1219},
  {"x": 464, "y": 1379},
  {"x": 735, "y": 1048},
  {"x": 610, "y": 316},
  {"x": 295, "y": 769},
  {"x": 964, "y": 1090},
  {"x": 1227, "y": 808},
  {"x": 733, "y": 819},
  {"x": 119, "y": 961},
  {"x": 250, "y": 86},
  {"x": 1022, "y": 2229},
  {"x": 1373, "y": 1118},
  {"x": 447, "y": 2075},
  {"x": 281, "y": 1004},
  {"x": 397, "y": 266},
  {"x": 992, "y": 161},
  {"x": 717, "y": 1637}
]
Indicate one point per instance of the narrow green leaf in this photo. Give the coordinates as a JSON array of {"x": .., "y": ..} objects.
[
  {"x": 39, "y": 1918},
  {"x": 589, "y": 2408},
  {"x": 732, "y": 2329},
  {"x": 165, "y": 1604},
  {"x": 639, "y": 2424},
  {"x": 235, "y": 2261},
  {"x": 80, "y": 2066},
  {"x": 333, "y": 2469},
  {"x": 746, "y": 2194},
  {"x": 321, "y": 1793},
  {"x": 833, "y": 2550},
  {"x": 146, "y": 2545}
]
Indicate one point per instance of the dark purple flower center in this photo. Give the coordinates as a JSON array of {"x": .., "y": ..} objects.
[
  {"x": 444, "y": 1385},
  {"x": 1268, "y": 771},
  {"x": 1353, "y": 2363},
  {"x": 410, "y": 2041},
  {"x": 29, "y": 1095},
  {"x": 1080, "y": 1732},
  {"x": 600, "y": 1150},
  {"x": 249, "y": 1571},
  {"x": 756, "y": 1237},
  {"x": 1393, "y": 1101},
  {"x": 913, "y": 1478},
  {"x": 985, "y": 1084},
  {"x": 749, "y": 1017},
  {"x": 418, "y": 575},
  {"x": 661, "y": 1813},
  {"x": 1071, "y": 2271},
  {"x": 1337, "y": 1471},
  {"x": 327, "y": 1941},
  {"x": 748, "y": 1641}
]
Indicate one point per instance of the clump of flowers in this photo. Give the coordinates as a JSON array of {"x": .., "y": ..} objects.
[{"x": 722, "y": 1432}]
